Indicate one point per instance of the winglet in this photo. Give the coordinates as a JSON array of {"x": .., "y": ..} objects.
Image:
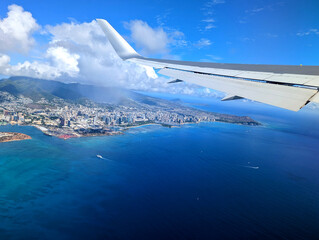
[{"x": 121, "y": 47}]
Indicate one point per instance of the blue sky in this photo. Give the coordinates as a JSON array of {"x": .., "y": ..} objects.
[{"x": 243, "y": 31}]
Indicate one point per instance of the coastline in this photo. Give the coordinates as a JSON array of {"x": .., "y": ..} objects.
[
  {"x": 70, "y": 133},
  {"x": 67, "y": 134},
  {"x": 142, "y": 125}
]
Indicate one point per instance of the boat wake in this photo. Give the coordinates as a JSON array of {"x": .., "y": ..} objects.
[{"x": 251, "y": 167}]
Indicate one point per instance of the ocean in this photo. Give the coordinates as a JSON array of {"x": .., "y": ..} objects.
[{"x": 200, "y": 181}]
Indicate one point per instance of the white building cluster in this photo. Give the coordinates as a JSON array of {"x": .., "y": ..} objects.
[{"x": 63, "y": 117}]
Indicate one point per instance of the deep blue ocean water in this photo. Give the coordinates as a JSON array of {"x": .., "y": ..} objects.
[{"x": 205, "y": 181}]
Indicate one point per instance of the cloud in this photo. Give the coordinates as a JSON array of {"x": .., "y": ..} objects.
[
  {"x": 63, "y": 60},
  {"x": 162, "y": 18},
  {"x": 252, "y": 12},
  {"x": 246, "y": 39},
  {"x": 214, "y": 2},
  {"x": 16, "y": 30},
  {"x": 211, "y": 58},
  {"x": 90, "y": 52},
  {"x": 312, "y": 31},
  {"x": 58, "y": 63},
  {"x": 208, "y": 11},
  {"x": 214, "y": 57},
  {"x": 149, "y": 40},
  {"x": 208, "y": 20},
  {"x": 202, "y": 43},
  {"x": 4, "y": 60},
  {"x": 32, "y": 69},
  {"x": 78, "y": 52},
  {"x": 154, "y": 41},
  {"x": 255, "y": 10},
  {"x": 209, "y": 26},
  {"x": 218, "y": 1}
]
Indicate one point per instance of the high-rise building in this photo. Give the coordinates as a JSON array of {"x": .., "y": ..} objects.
[{"x": 62, "y": 122}]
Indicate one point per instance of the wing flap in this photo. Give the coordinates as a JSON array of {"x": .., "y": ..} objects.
[
  {"x": 315, "y": 98},
  {"x": 288, "y": 97}
]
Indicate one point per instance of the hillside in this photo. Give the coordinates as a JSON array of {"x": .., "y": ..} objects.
[{"x": 36, "y": 89}]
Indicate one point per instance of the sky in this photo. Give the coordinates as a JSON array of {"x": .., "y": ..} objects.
[{"x": 60, "y": 40}]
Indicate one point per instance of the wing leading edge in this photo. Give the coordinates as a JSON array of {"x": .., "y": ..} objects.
[{"x": 285, "y": 86}]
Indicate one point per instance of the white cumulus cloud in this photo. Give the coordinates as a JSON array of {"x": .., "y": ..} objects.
[
  {"x": 83, "y": 50},
  {"x": 63, "y": 60},
  {"x": 150, "y": 40},
  {"x": 4, "y": 60},
  {"x": 16, "y": 30},
  {"x": 154, "y": 40}
]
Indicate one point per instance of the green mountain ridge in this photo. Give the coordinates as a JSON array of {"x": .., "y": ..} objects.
[{"x": 38, "y": 88}]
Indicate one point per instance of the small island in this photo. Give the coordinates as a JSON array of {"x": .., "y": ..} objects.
[{"x": 12, "y": 136}]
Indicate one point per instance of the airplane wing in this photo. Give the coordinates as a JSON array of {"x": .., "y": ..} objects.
[{"x": 286, "y": 86}]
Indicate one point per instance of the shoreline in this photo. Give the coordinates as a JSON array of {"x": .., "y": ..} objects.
[
  {"x": 142, "y": 125},
  {"x": 69, "y": 135}
]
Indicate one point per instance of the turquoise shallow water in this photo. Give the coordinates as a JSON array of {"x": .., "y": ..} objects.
[{"x": 206, "y": 181}]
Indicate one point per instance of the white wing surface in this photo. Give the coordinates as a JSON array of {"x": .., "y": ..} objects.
[{"x": 286, "y": 86}]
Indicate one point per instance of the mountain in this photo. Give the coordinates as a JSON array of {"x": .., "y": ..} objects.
[
  {"x": 74, "y": 92},
  {"x": 38, "y": 88}
]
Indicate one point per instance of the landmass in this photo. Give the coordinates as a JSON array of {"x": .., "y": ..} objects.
[
  {"x": 75, "y": 110},
  {"x": 12, "y": 136}
]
